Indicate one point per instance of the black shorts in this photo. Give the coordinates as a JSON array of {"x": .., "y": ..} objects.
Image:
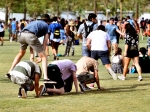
[
  {"x": 132, "y": 53},
  {"x": 68, "y": 84},
  {"x": 2, "y": 34},
  {"x": 103, "y": 55},
  {"x": 85, "y": 78},
  {"x": 54, "y": 74}
]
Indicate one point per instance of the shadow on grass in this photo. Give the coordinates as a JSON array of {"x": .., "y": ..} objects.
[
  {"x": 137, "y": 85},
  {"x": 5, "y": 80},
  {"x": 95, "y": 91}
]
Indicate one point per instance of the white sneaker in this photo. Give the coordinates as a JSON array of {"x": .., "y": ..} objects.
[
  {"x": 140, "y": 79},
  {"x": 82, "y": 88},
  {"x": 42, "y": 90},
  {"x": 111, "y": 72},
  {"x": 121, "y": 77},
  {"x": 11, "y": 39}
]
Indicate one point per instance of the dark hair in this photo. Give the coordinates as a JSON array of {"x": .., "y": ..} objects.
[
  {"x": 63, "y": 23},
  {"x": 128, "y": 17},
  {"x": 91, "y": 15},
  {"x": 130, "y": 30},
  {"x": 112, "y": 19},
  {"x": 143, "y": 50},
  {"x": 14, "y": 19},
  {"x": 54, "y": 18},
  {"x": 101, "y": 27},
  {"x": 119, "y": 51},
  {"x": 78, "y": 18}
]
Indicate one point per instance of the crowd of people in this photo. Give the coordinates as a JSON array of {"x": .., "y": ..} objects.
[{"x": 99, "y": 41}]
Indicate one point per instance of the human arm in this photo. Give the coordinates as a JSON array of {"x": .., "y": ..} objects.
[
  {"x": 97, "y": 78},
  {"x": 109, "y": 46},
  {"x": 136, "y": 26},
  {"x": 36, "y": 84},
  {"x": 79, "y": 34},
  {"x": 117, "y": 30},
  {"x": 95, "y": 70},
  {"x": 75, "y": 81},
  {"x": 46, "y": 37},
  {"x": 88, "y": 43},
  {"x": 127, "y": 43},
  {"x": 125, "y": 49}
]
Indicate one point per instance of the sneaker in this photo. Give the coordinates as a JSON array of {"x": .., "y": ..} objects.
[
  {"x": 91, "y": 86},
  {"x": 114, "y": 76},
  {"x": 8, "y": 75},
  {"x": 121, "y": 77},
  {"x": 140, "y": 79},
  {"x": 11, "y": 39},
  {"x": 23, "y": 93},
  {"x": 82, "y": 88},
  {"x": 42, "y": 91},
  {"x": 87, "y": 88},
  {"x": 49, "y": 81}
]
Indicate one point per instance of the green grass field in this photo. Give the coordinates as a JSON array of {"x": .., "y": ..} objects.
[{"x": 118, "y": 96}]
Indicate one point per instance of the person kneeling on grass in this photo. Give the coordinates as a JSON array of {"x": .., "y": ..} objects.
[
  {"x": 23, "y": 74},
  {"x": 87, "y": 72},
  {"x": 63, "y": 72}
]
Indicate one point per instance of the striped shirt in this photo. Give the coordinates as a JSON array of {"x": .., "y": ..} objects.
[{"x": 28, "y": 69}]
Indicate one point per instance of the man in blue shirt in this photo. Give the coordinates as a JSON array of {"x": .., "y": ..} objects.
[
  {"x": 13, "y": 29},
  {"x": 111, "y": 29},
  {"x": 29, "y": 36}
]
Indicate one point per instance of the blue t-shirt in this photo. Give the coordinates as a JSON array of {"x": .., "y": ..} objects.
[
  {"x": 111, "y": 29},
  {"x": 39, "y": 27},
  {"x": 13, "y": 25}
]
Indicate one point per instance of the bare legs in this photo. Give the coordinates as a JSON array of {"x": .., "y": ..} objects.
[
  {"x": 126, "y": 64},
  {"x": 43, "y": 56},
  {"x": 17, "y": 59},
  {"x": 56, "y": 91}
]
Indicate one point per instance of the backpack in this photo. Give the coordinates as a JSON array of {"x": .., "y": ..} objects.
[
  {"x": 22, "y": 25},
  {"x": 88, "y": 29},
  {"x": 57, "y": 33},
  {"x": 143, "y": 24}
]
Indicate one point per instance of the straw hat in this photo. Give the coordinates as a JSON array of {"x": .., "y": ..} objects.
[{"x": 71, "y": 23}]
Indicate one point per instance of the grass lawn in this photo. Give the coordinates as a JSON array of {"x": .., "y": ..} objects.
[{"x": 118, "y": 96}]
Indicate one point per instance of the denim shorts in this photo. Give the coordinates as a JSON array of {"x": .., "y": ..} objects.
[
  {"x": 103, "y": 55},
  {"x": 148, "y": 42},
  {"x": 113, "y": 40},
  {"x": 13, "y": 32},
  {"x": 85, "y": 51}
]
